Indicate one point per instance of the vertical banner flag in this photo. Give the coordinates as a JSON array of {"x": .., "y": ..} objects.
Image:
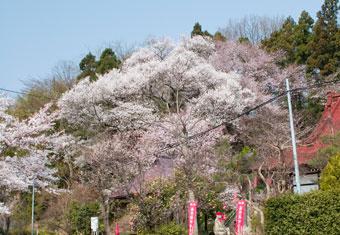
[
  {"x": 240, "y": 214},
  {"x": 192, "y": 210},
  {"x": 117, "y": 229}
]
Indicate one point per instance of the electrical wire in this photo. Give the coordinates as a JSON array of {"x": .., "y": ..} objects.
[
  {"x": 317, "y": 85},
  {"x": 170, "y": 146},
  {"x": 24, "y": 93}
]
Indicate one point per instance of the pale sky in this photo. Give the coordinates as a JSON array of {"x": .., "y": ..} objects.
[{"x": 37, "y": 34}]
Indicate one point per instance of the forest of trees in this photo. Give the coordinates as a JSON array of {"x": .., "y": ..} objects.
[{"x": 89, "y": 135}]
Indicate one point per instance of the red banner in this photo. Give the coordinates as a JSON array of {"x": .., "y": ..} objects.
[
  {"x": 117, "y": 229},
  {"x": 192, "y": 210},
  {"x": 240, "y": 214}
]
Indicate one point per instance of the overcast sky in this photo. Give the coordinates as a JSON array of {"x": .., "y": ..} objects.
[{"x": 35, "y": 35}]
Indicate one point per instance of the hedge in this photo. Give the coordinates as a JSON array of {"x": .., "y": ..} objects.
[{"x": 317, "y": 212}]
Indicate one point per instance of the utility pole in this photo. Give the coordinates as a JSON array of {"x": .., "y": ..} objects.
[
  {"x": 292, "y": 132},
  {"x": 33, "y": 205}
]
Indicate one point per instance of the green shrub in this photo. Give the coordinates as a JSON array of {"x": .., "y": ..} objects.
[
  {"x": 316, "y": 213},
  {"x": 330, "y": 176},
  {"x": 166, "y": 229},
  {"x": 80, "y": 215},
  {"x": 171, "y": 229}
]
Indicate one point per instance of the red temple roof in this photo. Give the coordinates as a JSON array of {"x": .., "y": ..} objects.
[{"x": 329, "y": 124}]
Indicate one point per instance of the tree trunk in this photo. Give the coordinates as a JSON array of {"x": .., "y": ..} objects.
[
  {"x": 268, "y": 191},
  {"x": 205, "y": 222},
  {"x": 7, "y": 224},
  {"x": 177, "y": 102},
  {"x": 105, "y": 207}
]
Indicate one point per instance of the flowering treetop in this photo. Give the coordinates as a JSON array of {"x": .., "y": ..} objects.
[
  {"x": 25, "y": 147},
  {"x": 159, "y": 79}
]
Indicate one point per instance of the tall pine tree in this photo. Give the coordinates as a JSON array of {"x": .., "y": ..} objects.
[
  {"x": 324, "y": 47},
  {"x": 197, "y": 30},
  {"x": 88, "y": 67},
  {"x": 282, "y": 40},
  {"x": 108, "y": 60},
  {"x": 301, "y": 37}
]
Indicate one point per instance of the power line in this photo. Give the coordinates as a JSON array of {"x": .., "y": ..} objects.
[
  {"x": 170, "y": 146},
  {"x": 317, "y": 85},
  {"x": 24, "y": 93}
]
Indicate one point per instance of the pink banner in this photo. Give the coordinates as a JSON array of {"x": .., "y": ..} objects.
[
  {"x": 192, "y": 210},
  {"x": 240, "y": 214},
  {"x": 117, "y": 229}
]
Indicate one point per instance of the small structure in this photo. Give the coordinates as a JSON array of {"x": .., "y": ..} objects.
[{"x": 308, "y": 148}]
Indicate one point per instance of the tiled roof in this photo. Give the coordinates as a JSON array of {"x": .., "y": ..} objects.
[{"x": 329, "y": 124}]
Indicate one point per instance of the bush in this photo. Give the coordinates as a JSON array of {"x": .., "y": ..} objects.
[
  {"x": 330, "y": 176},
  {"x": 316, "y": 212},
  {"x": 80, "y": 215},
  {"x": 170, "y": 229},
  {"x": 167, "y": 229}
]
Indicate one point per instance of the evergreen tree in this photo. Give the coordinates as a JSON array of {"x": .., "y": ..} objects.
[
  {"x": 88, "y": 67},
  {"x": 218, "y": 36},
  {"x": 197, "y": 30},
  {"x": 282, "y": 40},
  {"x": 243, "y": 40},
  {"x": 324, "y": 46},
  {"x": 302, "y": 36},
  {"x": 108, "y": 60}
]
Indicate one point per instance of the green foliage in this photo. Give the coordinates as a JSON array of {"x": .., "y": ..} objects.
[
  {"x": 243, "y": 40},
  {"x": 21, "y": 215},
  {"x": 301, "y": 38},
  {"x": 167, "y": 229},
  {"x": 218, "y": 36},
  {"x": 197, "y": 30},
  {"x": 206, "y": 192},
  {"x": 154, "y": 209},
  {"x": 312, "y": 213},
  {"x": 108, "y": 61},
  {"x": 14, "y": 151},
  {"x": 316, "y": 45},
  {"x": 40, "y": 92},
  {"x": 256, "y": 226},
  {"x": 165, "y": 202},
  {"x": 236, "y": 166},
  {"x": 310, "y": 109},
  {"x": 88, "y": 67},
  {"x": 80, "y": 214},
  {"x": 330, "y": 176},
  {"x": 323, "y": 46},
  {"x": 282, "y": 40},
  {"x": 332, "y": 148},
  {"x": 170, "y": 229},
  {"x": 222, "y": 146},
  {"x": 31, "y": 102}
]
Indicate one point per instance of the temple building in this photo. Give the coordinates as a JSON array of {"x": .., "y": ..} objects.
[{"x": 308, "y": 148}]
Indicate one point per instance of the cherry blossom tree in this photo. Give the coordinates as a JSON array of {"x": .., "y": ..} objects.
[
  {"x": 194, "y": 156},
  {"x": 26, "y": 148},
  {"x": 160, "y": 78},
  {"x": 110, "y": 166},
  {"x": 171, "y": 91},
  {"x": 259, "y": 70}
]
